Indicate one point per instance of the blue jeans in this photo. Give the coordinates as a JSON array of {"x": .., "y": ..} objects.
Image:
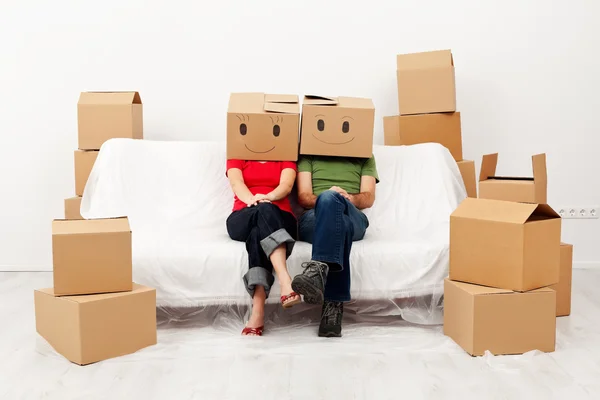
[{"x": 331, "y": 227}]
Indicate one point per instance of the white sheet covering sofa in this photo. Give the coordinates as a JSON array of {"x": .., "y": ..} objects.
[{"x": 177, "y": 198}]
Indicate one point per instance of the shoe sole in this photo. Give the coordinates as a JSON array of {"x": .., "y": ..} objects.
[
  {"x": 311, "y": 293},
  {"x": 330, "y": 334}
]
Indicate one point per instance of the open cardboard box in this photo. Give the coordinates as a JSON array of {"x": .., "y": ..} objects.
[
  {"x": 92, "y": 328},
  {"x": 480, "y": 318},
  {"x": 73, "y": 207},
  {"x": 520, "y": 189},
  {"x": 337, "y": 126},
  {"x": 467, "y": 171},
  {"x": 426, "y": 82},
  {"x": 263, "y": 127},
  {"x": 504, "y": 244}
]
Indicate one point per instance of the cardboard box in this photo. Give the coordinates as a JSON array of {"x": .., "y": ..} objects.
[
  {"x": 467, "y": 170},
  {"x": 505, "y": 245},
  {"x": 519, "y": 189},
  {"x": 263, "y": 127},
  {"x": 84, "y": 162},
  {"x": 106, "y": 115},
  {"x": 92, "y": 328},
  {"x": 91, "y": 256},
  {"x": 480, "y": 318},
  {"x": 426, "y": 82},
  {"x": 72, "y": 207},
  {"x": 563, "y": 287},
  {"x": 337, "y": 126},
  {"x": 425, "y": 128}
]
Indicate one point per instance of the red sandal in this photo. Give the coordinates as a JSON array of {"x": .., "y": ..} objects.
[
  {"x": 253, "y": 331},
  {"x": 290, "y": 303}
]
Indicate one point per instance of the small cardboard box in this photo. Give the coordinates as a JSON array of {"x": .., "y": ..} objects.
[
  {"x": 91, "y": 256},
  {"x": 523, "y": 190},
  {"x": 467, "y": 170},
  {"x": 337, "y": 126},
  {"x": 426, "y": 128},
  {"x": 426, "y": 82},
  {"x": 84, "y": 162},
  {"x": 480, "y": 318},
  {"x": 563, "y": 287},
  {"x": 106, "y": 115},
  {"x": 72, "y": 207},
  {"x": 92, "y": 328},
  {"x": 505, "y": 245},
  {"x": 263, "y": 127}
]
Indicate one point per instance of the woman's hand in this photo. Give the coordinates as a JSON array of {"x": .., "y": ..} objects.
[{"x": 259, "y": 198}]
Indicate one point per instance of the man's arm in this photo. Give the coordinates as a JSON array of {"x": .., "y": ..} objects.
[
  {"x": 306, "y": 197},
  {"x": 366, "y": 197}
]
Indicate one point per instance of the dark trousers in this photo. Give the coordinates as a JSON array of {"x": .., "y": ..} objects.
[
  {"x": 331, "y": 227},
  {"x": 263, "y": 227}
]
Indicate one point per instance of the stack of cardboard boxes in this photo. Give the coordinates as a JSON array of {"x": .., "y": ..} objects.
[
  {"x": 94, "y": 311},
  {"x": 509, "y": 272},
  {"x": 427, "y": 108}
]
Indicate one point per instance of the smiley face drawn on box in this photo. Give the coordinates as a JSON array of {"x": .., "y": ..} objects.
[
  {"x": 337, "y": 126},
  {"x": 263, "y": 127}
]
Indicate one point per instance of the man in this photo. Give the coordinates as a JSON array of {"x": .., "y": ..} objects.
[{"x": 334, "y": 190}]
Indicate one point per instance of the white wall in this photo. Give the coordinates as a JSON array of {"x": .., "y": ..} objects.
[{"x": 527, "y": 76}]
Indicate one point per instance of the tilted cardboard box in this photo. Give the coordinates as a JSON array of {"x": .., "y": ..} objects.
[
  {"x": 92, "y": 328},
  {"x": 84, "y": 162},
  {"x": 426, "y": 82},
  {"x": 426, "y": 128},
  {"x": 72, "y": 207},
  {"x": 523, "y": 190},
  {"x": 106, "y": 115},
  {"x": 563, "y": 287},
  {"x": 263, "y": 127},
  {"x": 480, "y": 318},
  {"x": 504, "y": 244},
  {"x": 467, "y": 171},
  {"x": 91, "y": 256},
  {"x": 337, "y": 126}
]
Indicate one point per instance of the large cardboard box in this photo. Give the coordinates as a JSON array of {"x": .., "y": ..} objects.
[
  {"x": 72, "y": 207},
  {"x": 505, "y": 245},
  {"x": 519, "y": 189},
  {"x": 92, "y": 328},
  {"x": 107, "y": 115},
  {"x": 480, "y": 318},
  {"x": 263, "y": 127},
  {"x": 337, "y": 126},
  {"x": 84, "y": 162},
  {"x": 91, "y": 256},
  {"x": 426, "y": 128},
  {"x": 467, "y": 171},
  {"x": 426, "y": 82},
  {"x": 563, "y": 287}
]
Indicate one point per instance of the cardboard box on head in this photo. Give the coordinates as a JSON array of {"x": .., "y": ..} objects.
[
  {"x": 337, "y": 126},
  {"x": 263, "y": 127}
]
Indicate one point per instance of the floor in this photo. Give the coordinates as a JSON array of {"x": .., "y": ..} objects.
[{"x": 387, "y": 359}]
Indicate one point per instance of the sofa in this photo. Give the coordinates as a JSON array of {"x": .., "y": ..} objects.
[{"x": 177, "y": 198}]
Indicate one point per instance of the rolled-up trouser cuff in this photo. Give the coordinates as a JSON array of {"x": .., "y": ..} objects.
[
  {"x": 275, "y": 239},
  {"x": 258, "y": 276}
]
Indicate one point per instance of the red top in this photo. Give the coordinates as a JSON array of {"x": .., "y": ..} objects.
[{"x": 261, "y": 178}]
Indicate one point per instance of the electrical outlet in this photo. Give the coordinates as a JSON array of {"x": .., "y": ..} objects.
[{"x": 579, "y": 212}]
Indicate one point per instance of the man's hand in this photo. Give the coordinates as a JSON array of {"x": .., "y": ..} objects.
[
  {"x": 259, "y": 198},
  {"x": 341, "y": 191}
]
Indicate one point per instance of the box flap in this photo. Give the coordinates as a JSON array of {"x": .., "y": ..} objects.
[
  {"x": 494, "y": 210},
  {"x": 246, "y": 103},
  {"x": 314, "y": 100},
  {"x": 540, "y": 290},
  {"x": 102, "y": 98},
  {"x": 546, "y": 211},
  {"x": 428, "y": 59},
  {"x": 478, "y": 289},
  {"x": 281, "y": 98},
  {"x": 90, "y": 226},
  {"x": 488, "y": 166},
  {"x": 283, "y": 108},
  {"x": 356, "y": 102}
]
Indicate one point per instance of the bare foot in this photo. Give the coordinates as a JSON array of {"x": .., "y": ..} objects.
[{"x": 286, "y": 289}]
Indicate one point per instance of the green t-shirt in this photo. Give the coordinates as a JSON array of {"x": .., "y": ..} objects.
[{"x": 344, "y": 172}]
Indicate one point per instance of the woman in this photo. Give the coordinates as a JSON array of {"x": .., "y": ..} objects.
[{"x": 262, "y": 217}]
